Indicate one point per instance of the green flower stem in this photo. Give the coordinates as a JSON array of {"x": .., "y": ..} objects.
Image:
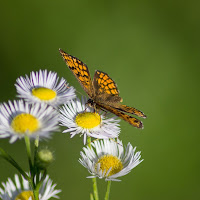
[
  {"x": 40, "y": 182},
  {"x": 36, "y": 171},
  {"x": 28, "y": 149},
  {"x": 95, "y": 189},
  {"x": 37, "y": 142},
  {"x": 91, "y": 196},
  {"x": 94, "y": 181},
  {"x": 7, "y": 157},
  {"x": 35, "y": 193},
  {"x": 89, "y": 142},
  {"x": 108, "y": 190},
  {"x": 32, "y": 171}
]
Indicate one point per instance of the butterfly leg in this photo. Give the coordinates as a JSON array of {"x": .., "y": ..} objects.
[
  {"x": 89, "y": 105},
  {"x": 86, "y": 106},
  {"x": 104, "y": 110},
  {"x": 67, "y": 86},
  {"x": 113, "y": 139},
  {"x": 93, "y": 141},
  {"x": 96, "y": 108}
]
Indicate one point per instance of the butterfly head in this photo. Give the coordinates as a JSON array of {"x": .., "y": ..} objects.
[{"x": 91, "y": 103}]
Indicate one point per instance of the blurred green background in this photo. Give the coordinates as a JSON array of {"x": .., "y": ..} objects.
[{"x": 151, "y": 49}]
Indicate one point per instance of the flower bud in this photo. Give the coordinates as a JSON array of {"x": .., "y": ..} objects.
[{"x": 44, "y": 158}]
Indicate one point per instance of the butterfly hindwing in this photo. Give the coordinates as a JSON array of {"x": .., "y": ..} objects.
[
  {"x": 131, "y": 120},
  {"x": 131, "y": 110},
  {"x": 80, "y": 71}
]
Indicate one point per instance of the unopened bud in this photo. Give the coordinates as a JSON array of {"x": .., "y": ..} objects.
[{"x": 44, "y": 158}]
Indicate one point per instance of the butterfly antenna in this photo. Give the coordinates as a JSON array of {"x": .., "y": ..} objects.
[{"x": 79, "y": 93}]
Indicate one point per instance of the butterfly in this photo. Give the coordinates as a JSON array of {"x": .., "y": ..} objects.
[{"x": 102, "y": 91}]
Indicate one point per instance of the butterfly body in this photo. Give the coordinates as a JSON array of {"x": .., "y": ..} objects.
[{"x": 102, "y": 91}]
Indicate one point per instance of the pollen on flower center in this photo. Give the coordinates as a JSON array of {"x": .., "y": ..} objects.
[
  {"x": 25, "y": 122},
  {"x": 108, "y": 161},
  {"x": 43, "y": 93},
  {"x": 25, "y": 195},
  {"x": 88, "y": 120}
]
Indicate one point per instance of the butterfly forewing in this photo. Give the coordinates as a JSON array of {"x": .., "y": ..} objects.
[{"x": 80, "y": 71}]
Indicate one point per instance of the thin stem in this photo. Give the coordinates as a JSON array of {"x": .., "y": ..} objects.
[
  {"x": 95, "y": 189},
  {"x": 37, "y": 141},
  {"x": 108, "y": 190},
  {"x": 91, "y": 196},
  {"x": 41, "y": 180},
  {"x": 35, "y": 193},
  {"x": 36, "y": 148},
  {"x": 28, "y": 149},
  {"x": 89, "y": 142},
  {"x": 94, "y": 181},
  {"x": 37, "y": 188},
  {"x": 33, "y": 186},
  {"x": 36, "y": 171}
]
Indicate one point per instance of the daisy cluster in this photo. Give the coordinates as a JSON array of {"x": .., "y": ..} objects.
[
  {"x": 34, "y": 116},
  {"x": 45, "y": 103},
  {"x": 21, "y": 190}
]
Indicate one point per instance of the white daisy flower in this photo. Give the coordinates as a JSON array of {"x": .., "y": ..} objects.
[
  {"x": 20, "y": 190},
  {"x": 81, "y": 119},
  {"x": 43, "y": 86},
  {"x": 109, "y": 159},
  {"x": 18, "y": 118}
]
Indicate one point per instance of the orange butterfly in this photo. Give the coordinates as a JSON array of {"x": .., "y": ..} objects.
[{"x": 102, "y": 91}]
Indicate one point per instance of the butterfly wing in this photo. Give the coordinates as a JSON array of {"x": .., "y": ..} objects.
[
  {"x": 107, "y": 93},
  {"x": 104, "y": 84},
  {"x": 130, "y": 110},
  {"x": 131, "y": 120},
  {"x": 80, "y": 71}
]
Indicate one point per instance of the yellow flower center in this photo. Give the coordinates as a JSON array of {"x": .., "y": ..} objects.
[
  {"x": 43, "y": 93},
  {"x": 88, "y": 120},
  {"x": 108, "y": 161},
  {"x": 25, "y": 195},
  {"x": 25, "y": 122}
]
